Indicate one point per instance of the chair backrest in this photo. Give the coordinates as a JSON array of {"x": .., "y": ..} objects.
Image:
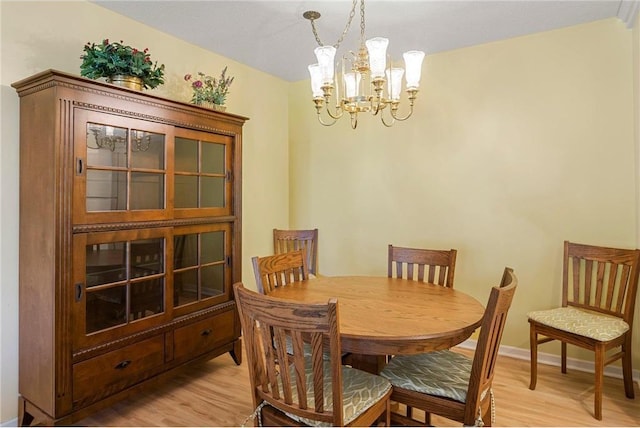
[
  {"x": 279, "y": 270},
  {"x": 300, "y": 387},
  {"x": 600, "y": 279},
  {"x": 488, "y": 344},
  {"x": 292, "y": 240},
  {"x": 411, "y": 263}
]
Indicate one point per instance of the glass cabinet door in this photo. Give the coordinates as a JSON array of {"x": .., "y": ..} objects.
[
  {"x": 120, "y": 280},
  {"x": 201, "y": 266},
  {"x": 202, "y": 174},
  {"x": 121, "y": 168}
]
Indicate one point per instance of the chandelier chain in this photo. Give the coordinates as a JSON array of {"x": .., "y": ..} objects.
[
  {"x": 361, "y": 21},
  {"x": 346, "y": 28}
]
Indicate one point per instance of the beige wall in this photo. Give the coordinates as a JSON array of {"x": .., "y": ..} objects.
[
  {"x": 515, "y": 146},
  {"x": 36, "y": 36}
]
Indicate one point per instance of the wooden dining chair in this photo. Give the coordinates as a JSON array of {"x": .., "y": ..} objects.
[
  {"x": 311, "y": 389},
  {"x": 279, "y": 270},
  {"x": 448, "y": 383},
  {"x": 599, "y": 286},
  {"x": 292, "y": 240},
  {"x": 413, "y": 263}
]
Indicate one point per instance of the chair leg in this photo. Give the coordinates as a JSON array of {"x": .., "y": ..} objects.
[
  {"x": 533, "y": 345},
  {"x": 563, "y": 357},
  {"x": 387, "y": 415},
  {"x": 627, "y": 372},
  {"x": 599, "y": 368}
]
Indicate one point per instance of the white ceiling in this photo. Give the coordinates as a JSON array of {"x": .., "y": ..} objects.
[{"x": 272, "y": 36}]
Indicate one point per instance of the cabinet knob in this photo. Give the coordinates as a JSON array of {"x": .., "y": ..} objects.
[{"x": 206, "y": 332}]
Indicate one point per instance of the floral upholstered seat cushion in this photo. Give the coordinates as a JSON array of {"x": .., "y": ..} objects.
[
  {"x": 441, "y": 373},
  {"x": 360, "y": 391},
  {"x": 584, "y": 323}
]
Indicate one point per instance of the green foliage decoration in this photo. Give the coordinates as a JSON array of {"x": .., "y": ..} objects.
[{"x": 109, "y": 59}]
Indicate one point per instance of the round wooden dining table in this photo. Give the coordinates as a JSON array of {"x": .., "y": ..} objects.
[{"x": 382, "y": 316}]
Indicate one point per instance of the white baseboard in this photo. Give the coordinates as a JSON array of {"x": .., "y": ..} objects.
[
  {"x": 11, "y": 423},
  {"x": 554, "y": 360}
]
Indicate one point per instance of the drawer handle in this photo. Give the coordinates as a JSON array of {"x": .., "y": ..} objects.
[
  {"x": 206, "y": 332},
  {"x": 122, "y": 364}
]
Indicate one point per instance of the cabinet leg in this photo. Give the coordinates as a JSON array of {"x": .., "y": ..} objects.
[
  {"x": 29, "y": 415},
  {"x": 24, "y": 418},
  {"x": 236, "y": 352}
]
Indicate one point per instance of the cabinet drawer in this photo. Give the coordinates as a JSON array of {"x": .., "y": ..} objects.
[
  {"x": 109, "y": 373},
  {"x": 203, "y": 336}
]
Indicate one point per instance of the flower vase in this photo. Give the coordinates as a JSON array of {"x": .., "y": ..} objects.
[
  {"x": 130, "y": 82},
  {"x": 210, "y": 105}
]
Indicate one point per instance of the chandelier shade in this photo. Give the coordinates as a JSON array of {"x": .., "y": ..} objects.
[
  {"x": 377, "y": 48},
  {"x": 413, "y": 65},
  {"x": 367, "y": 82},
  {"x": 326, "y": 56}
]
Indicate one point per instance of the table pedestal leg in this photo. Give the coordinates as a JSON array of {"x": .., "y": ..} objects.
[{"x": 369, "y": 363}]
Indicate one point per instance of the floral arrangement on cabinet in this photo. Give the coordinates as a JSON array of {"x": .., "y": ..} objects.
[
  {"x": 209, "y": 90},
  {"x": 109, "y": 59}
]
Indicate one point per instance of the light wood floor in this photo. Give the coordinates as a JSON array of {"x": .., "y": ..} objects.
[{"x": 216, "y": 393}]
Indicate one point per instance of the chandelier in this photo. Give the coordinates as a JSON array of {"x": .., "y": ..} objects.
[{"x": 366, "y": 82}]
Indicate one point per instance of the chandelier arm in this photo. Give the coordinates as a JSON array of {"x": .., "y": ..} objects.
[
  {"x": 412, "y": 95},
  {"x": 384, "y": 122},
  {"x": 326, "y": 123},
  {"x": 378, "y": 106},
  {"x": 337, "y": 115},
  {"x": 400, "y": 119}
]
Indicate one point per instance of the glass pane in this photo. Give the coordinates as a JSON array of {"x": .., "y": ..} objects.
[
  {"x": 212, "y": 247},
  {"x": 186, "y": 155},
  {"x": 186, "y": 191},
  {"x": 106, "y": 190},
  {"x": 212, "y": 281},
  {"x": 147, "y": 191},
  {"x": 147, "y": 150},
  {"x": 147, "y": 298},
  {"x": 185, "y": 251},
  {"x": 106, "y": 145},
  {"x": 185, "y": 287},
  {"x": 212, "y": 158},
  {"x": 106, "y": 263},
  {"x": 212, "y": 192},
  {"x": 106, "y": 308},
  {"x": 147, "y": 257}
]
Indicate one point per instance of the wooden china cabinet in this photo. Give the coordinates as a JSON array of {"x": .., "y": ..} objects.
[{"x": 130, "y": 241}]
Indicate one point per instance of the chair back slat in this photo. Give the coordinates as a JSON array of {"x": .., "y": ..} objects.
[
  {"x": 279, "y": 270},
  {"x": 285, "y": 241},
  {"x": 624, "y": 284},
  {"x": 488, "y": 344},
  {"x": 602, "y": 279},
  {"x": 307, "y": 328},
  {"x": 414, "y": 263}
]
